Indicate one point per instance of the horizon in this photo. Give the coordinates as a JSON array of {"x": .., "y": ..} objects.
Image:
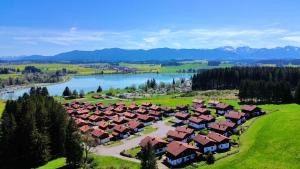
[{"x": 49, "y": 28}]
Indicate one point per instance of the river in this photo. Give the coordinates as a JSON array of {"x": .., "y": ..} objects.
[{"x": 91, "y": 82}]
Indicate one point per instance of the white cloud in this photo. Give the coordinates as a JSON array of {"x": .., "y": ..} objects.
[{"x": 81, "y": 39}]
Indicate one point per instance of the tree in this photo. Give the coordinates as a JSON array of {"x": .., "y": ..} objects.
[
  {"x": 44, "y": 91},
  {"x": 88, "y": 143},
  {"x": 99, "y": 89},
  {"x": 74, "y": 94},
  {"x": 297, "y": 93},
  {"x": 81, "y": 94},
  {"x": 74, "y": 150},
  {"x": 67, "y": 92},
  {"x": 210, "y": 159},
  {"x": 148, "y": 159}
]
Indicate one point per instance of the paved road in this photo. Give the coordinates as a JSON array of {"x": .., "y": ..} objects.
[{"x": 131, "y": 143}]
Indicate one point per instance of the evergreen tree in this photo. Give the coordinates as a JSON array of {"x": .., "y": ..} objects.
[
  {"x": 81, "y": 94},
  {"x": 148, "y": 159},
  {"x": 67, "y": 92},
  {"x": 297, "y": 93},
  {"x": 44, "y": 91},
  {"x": 99, "y": 89},
  {"x": 75, "y": 94},
  {"x": 74, "y": 150},
  {"x": 210, "y": 159}
]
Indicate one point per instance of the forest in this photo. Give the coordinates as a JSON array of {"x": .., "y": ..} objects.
[{"x": 255, "y": 84}]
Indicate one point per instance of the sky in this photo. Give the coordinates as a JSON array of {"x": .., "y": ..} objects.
[{"x": 50, "y": 27}]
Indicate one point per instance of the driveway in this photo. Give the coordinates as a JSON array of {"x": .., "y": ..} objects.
[{"x": 161, "y": 131}]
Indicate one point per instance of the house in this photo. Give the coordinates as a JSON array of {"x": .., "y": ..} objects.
[
  {"x": 197, "y": 123},
  {"x": 155, "y": 108},
  {"x": 212, "y": 103},
  {"x": 177, "y": 136},
  {"x": 109, "y": 113},
  {"x": 133, "y": 106},
  {"x": 135, "y": 126},
  {"x": 120, "y": 109},
  {"x": 167, "y": 111},
  {"x": 156, "y": 115},
  {"x": 82, "y": 111},
  {"x": 182, "y": 116},
  {"x": 146, "y": 104},
  {"x": 205, "y": 144},
  {"x": 119, "y": 120},
  {"x": 80, "y": 122},
  {"x": 208, "y": 118},
  {"x": 219, "y": 128},
  {"x": 222, "y": 108},
  {"x": 196, "y": 103},
  {"x": 142, "y": 111},
  {"x": 94, "y": 118},
  {"x": 84, "y": 129},
  {"x": 179, "y": 153},
  {"x": 200, "y": 110},
  {"x": 145, "y": 119},
  {"x": 236, "y": 117},
  {"x": 120, "y": 131},
  {"x": 231, "y": 126},
  {"x": 251, "y": 110},
  {"x": 130, "y": 116},
  {"x": 187, "y": 130},
  {"x": 103, "y": 125},
  {"x": 222, "y": 141},
  {"x": 101, "y": 136},
  {"x": 159, "y": 145},
  {"x": 182, "y": 108}
]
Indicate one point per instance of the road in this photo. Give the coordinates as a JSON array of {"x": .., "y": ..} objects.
[{"x": 161, "y": 131}]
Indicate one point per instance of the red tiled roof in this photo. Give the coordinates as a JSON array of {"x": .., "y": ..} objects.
[
  {"x": 182, "y": 115},
  {"x": 129, "y": 115},
  {"x": 218, "y": 126},
  {"x": 118, "y": 120},
  {"x": 207, "y": 117},
  {"x": 144, "y": 117},
  {"x": 176, "y": 134},
  {"x": 99, "y": 133},
  {"x": 176, "y": 148},
  {"x": 217, "y": 137},
  {"x": 227, "y": 123},
  {"x": 146, "y": 104},
  {"x": 134, "y": 124},
  {"x": 248, "y": 107},
  {"x": 234, "y": 115},
  {"x": 203, "y": 140},
  {"x": 222, "y": 106},
  {"x": 184, "y": 129},
  {"x": 103, "y": 124},
  {"x": 202, "y": 110},
  {"x": 198, "y": 101},
  {"x": 196, "y": 119},
  {"x": 120, "y": 128},
  {"x": 213, "y": 102},
  {"x": 94, "y": 117},
  {"x": 84, "y": 128},
  {"x": 152, "y": 140}
]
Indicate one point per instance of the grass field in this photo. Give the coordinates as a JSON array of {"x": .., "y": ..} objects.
[
  {"x": 57, "y": 163},
  {"x": 143, "y": 67},
  {"x": 186, "y": 66},
  {"x": 2, "y": 105},
  {"x": 272, "y": 142}
]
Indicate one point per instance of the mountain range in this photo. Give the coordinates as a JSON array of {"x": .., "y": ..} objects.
[{"x": 166, "y": 54}]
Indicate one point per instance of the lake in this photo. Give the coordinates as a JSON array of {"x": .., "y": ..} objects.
[{"x": 91, "y": 82}]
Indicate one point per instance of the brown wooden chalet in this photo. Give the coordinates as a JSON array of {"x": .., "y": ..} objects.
[
  {"x": 142, "y": 111},
  {"x": 223, "y": 108},
  {"x": 101, "y": 136},
  {"x": 205, "y": 144},
  {"x": 120, "y": 132},
  {"x": 251, "y": 111},
  {"x": 174, "y": 135},
  {"x": 219, "y": 128},
  {"x": 119, "y": 120},
  {"x": 222, "y": 141},
  {"x": 156, "y": 115},
  {"x": 236, "y": 117},
  {"x": 103, "y": 125},
  {"x": 159, "y": 145},
  {"x": 200, "y": 110},
  {"x": 129, "y": 115},
  {"x": 135, "y": 126},
  {"x": 179, "y": 153},
  {"x": 187, "y": 130},
  {"x": 145, "y": 119},
  {"x": 197, "y": 122}
]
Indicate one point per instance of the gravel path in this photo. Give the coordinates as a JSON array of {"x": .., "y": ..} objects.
[{"x": 131, "y": 143}]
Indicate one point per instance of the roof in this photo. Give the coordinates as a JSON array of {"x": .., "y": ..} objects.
[
  {"x": 203, "y": 140},
  {"x": 176, "y": 148},
  {"x": 196, "y": 119},
  {"x": 248, "y": 107},
  {"x": 98, "y": 133},
  {"x": 94, "y": 117},
  {"x": 227, "y": 123},
  {"x": 182, "y": 115},
  {"x": 84, "y": 128},
  {"x": 234, "y": 115},
  {"x": 128, "y": 114},
  {"x": 222, "y": 106},
  {"x": 103, "y": 124},
  {"x": 202, "y": 110},
  {"x": 144, "y": 117},
  {"x": 184, "y": 129},
  {"x": 118, "y": 120},
  {"x": 176, "y": 134},
  {"x": 217, "y": 137},
  {"x": 207, "y": 117},
  {"x": 120, "y": 128},
  {"x": 213, "y": 102},
  {"x": 198, "y": 101},
  {"x": 134, "y": 124},
  {"x": 152, "y": 140},
  {"x": 218, "y": 126}
]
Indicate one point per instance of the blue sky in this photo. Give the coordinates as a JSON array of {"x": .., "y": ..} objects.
[{"x": 54, "y": 26}]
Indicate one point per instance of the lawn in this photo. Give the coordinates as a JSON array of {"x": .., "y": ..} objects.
[
  {"x": 143, "y": 67},
  {"x": 2, "y": 106},
  {"x": 57, "y": 163},
  {"x": 149, "y": 129},
  {"x": 133, "y": 151},
  {"x": 191, "y": 65},
  {"x": 272, "y": 142}
]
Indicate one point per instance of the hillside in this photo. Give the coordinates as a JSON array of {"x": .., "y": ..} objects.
[{"x": 166, "y": 54}]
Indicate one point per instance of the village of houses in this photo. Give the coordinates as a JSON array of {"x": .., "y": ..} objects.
[{"x": 182, "y": 145}]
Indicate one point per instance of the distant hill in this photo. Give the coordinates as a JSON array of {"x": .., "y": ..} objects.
[{"x": 164, "y": 54}]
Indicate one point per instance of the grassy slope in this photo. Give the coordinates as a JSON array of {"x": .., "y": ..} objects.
[
  {"x": 2, "y": 105},
  {"x": 57, "y": 163},
  {"x": 271, "y": 142}
]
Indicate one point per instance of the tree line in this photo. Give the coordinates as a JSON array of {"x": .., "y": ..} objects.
[
  {"x": 255, "y": 84},
  {"x": 35, "y": 129}
]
